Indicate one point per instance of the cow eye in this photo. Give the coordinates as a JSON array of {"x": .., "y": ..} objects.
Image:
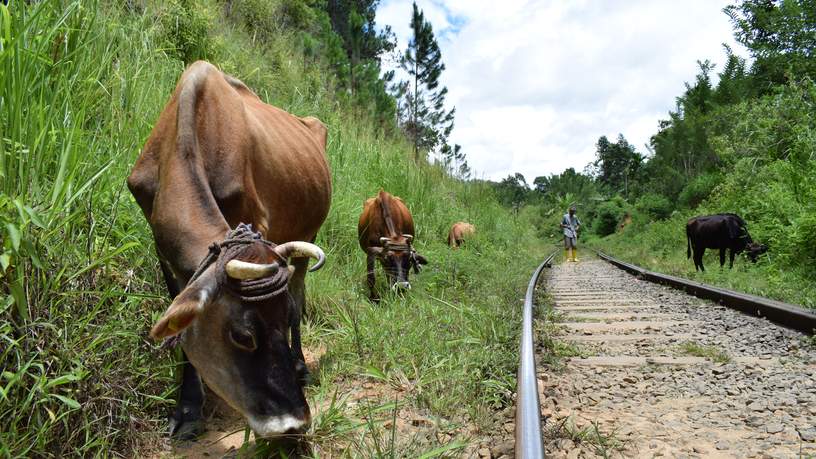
[{"x": 243, "y": 339}]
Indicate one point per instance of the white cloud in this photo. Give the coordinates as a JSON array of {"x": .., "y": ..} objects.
[{"x": 535, "y": 83}]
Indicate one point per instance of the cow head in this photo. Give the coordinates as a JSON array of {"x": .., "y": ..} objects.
[
  {"x": 754, "y": 250},
  {"x": 398, "y": 256},
  {"x": 240, "y": 347}
]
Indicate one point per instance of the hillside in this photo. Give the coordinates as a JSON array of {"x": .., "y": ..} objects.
[{"x": 81, "y": 84}]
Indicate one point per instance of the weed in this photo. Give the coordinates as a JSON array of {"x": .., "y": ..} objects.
[
  {"x": 708, "y": 352},
  {"x": 602, "y": 444}
]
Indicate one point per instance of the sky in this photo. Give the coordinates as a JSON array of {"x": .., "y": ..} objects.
[{"x": 536, "y": 83}]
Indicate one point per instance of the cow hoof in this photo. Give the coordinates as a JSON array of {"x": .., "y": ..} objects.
[{"x": 186, "y": 424}]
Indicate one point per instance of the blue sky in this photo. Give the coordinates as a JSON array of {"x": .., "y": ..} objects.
[{"x": 535, "y": 83}]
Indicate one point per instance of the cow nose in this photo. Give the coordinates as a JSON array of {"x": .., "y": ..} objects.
[
  {"x": 401, "y": 286},
  {"x": 276, "y": 426}
]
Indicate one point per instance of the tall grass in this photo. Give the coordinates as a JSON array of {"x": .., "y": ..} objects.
[{"x": 80, "y": 85}]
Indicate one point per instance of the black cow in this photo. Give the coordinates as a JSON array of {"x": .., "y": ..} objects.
[{"x": 721, "y": 231}]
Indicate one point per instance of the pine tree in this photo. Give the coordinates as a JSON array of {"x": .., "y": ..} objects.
[{"x": 422, "y": 102}]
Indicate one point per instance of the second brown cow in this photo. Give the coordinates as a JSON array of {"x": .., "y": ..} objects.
[
  {"x": 458, "y": 232},
  {"x": 386, "y": 232}
]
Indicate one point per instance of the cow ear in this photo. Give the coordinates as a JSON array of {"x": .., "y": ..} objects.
[
  {"x": 421, "y": 260},
  {"x": 186, "y": 306}
]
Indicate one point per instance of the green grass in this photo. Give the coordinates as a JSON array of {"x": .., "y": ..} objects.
[
  {"x": 80, "y": 85},
  {"x": 709, "y": 352},
  {"x": 661, "y": 246},
  {"x": 602, "y": 444}
]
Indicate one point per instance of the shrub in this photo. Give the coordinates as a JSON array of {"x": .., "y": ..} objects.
[
  {"x": 186, "y": 30},
  {"x": 258, "y": 16},
  {"x": 656, "y": 206},
  {"x": 608, "y": 215},
  {"x": 698, "y": 189}
]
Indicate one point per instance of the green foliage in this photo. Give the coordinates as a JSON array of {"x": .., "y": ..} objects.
[
  {"x": 781, "y": 37},
  {"x": 260, "y": 17},
  {"x": 513, "y": 191},
  {"x": 655, "y": 206},
  {"x": 608, "y": 215},
  {"x": 698, "y": 189},
  {"x": 186, "y": 30},
  {"x": 617, "y": 165}
]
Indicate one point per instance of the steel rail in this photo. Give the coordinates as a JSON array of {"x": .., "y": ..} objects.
[
  {"x": 785, "y": 314},
  {"x": 529, "y": 444}
]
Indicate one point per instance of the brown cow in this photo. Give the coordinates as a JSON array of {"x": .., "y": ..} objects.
[
  {"x": 218, "y": 156},
  {"x": 386, "y": 232},
  {"x": 458, "y": 232}
]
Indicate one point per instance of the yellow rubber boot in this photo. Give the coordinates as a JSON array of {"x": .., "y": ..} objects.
[
  {"x": 566, "y": 254},
  {"x": 574, "y": 254}
]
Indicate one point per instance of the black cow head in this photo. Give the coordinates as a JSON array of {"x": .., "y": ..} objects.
[
  {"x": 398, "y": 256},
  {"x": 754, "y": 250}
]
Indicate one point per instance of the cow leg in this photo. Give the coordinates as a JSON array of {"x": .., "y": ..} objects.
[
  {"x": 698, "y": 258},
  {"x": 730, "y": 258},
  {"x": 722, "y": 258},
  {"x": 186, "y": 422},
  {"x": 371, "y": 279},
  {"x": 297, "y": 288}
]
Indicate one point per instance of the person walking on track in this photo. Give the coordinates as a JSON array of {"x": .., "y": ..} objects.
[{"x": 570, "y": 223}]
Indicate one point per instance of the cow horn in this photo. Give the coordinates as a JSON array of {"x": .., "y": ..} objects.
[
  {"x": 302, "y": 249},
  {"x": 408, "y": 237},
  {"x": 244, "y": 270}
]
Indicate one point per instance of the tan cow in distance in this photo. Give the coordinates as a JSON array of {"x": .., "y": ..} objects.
[
  {"x": 218, "y": 158},
  {"x": 386, "y": 232},
  {"x": 458, "y": 232}
]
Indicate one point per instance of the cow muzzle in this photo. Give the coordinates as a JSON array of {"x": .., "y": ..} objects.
[
  {"x": 276, "y": 426},
  {"x": 402, "y": 286}
]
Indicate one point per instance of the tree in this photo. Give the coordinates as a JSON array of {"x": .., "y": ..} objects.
[
  {"x": 617, "y": 164},
  {"x": 513, "y": 190},
  {"x": 454, "y": 161},
  {"x": 781, "y": 36},
  {"x": 422, "y": 102},
  {"x": 568, "y": 181},
  {"x": 354, "y": 22}
]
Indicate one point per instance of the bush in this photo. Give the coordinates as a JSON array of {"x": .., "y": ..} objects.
[
  {"x": 698, "y": 189},
  {"x": 656, "y": 206},
  {"x": 186, "y": 30},
  {"x": 608, "y": 215}
]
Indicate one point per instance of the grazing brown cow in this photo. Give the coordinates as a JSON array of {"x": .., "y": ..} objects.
[
  {"x": 386, "y": 232},
  {"x": 458, "y": 232},
  {"x": 218, "y": 157}
]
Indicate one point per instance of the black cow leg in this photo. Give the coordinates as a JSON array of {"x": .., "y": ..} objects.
[
  {"x": 698, "y": 259},
  {"x": 730, "y": 258},
  {"x": 722, "y": 258},
  {"x": 297, "y": 288},
  {"x": 371, "y": 280},
  {"x": 186, "y": 421}
]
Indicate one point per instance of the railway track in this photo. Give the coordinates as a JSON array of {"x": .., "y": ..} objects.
[{"x": 649, "y": 371}]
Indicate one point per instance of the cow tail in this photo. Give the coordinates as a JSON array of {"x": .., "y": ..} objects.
[{"x": 688, "y": 243}]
